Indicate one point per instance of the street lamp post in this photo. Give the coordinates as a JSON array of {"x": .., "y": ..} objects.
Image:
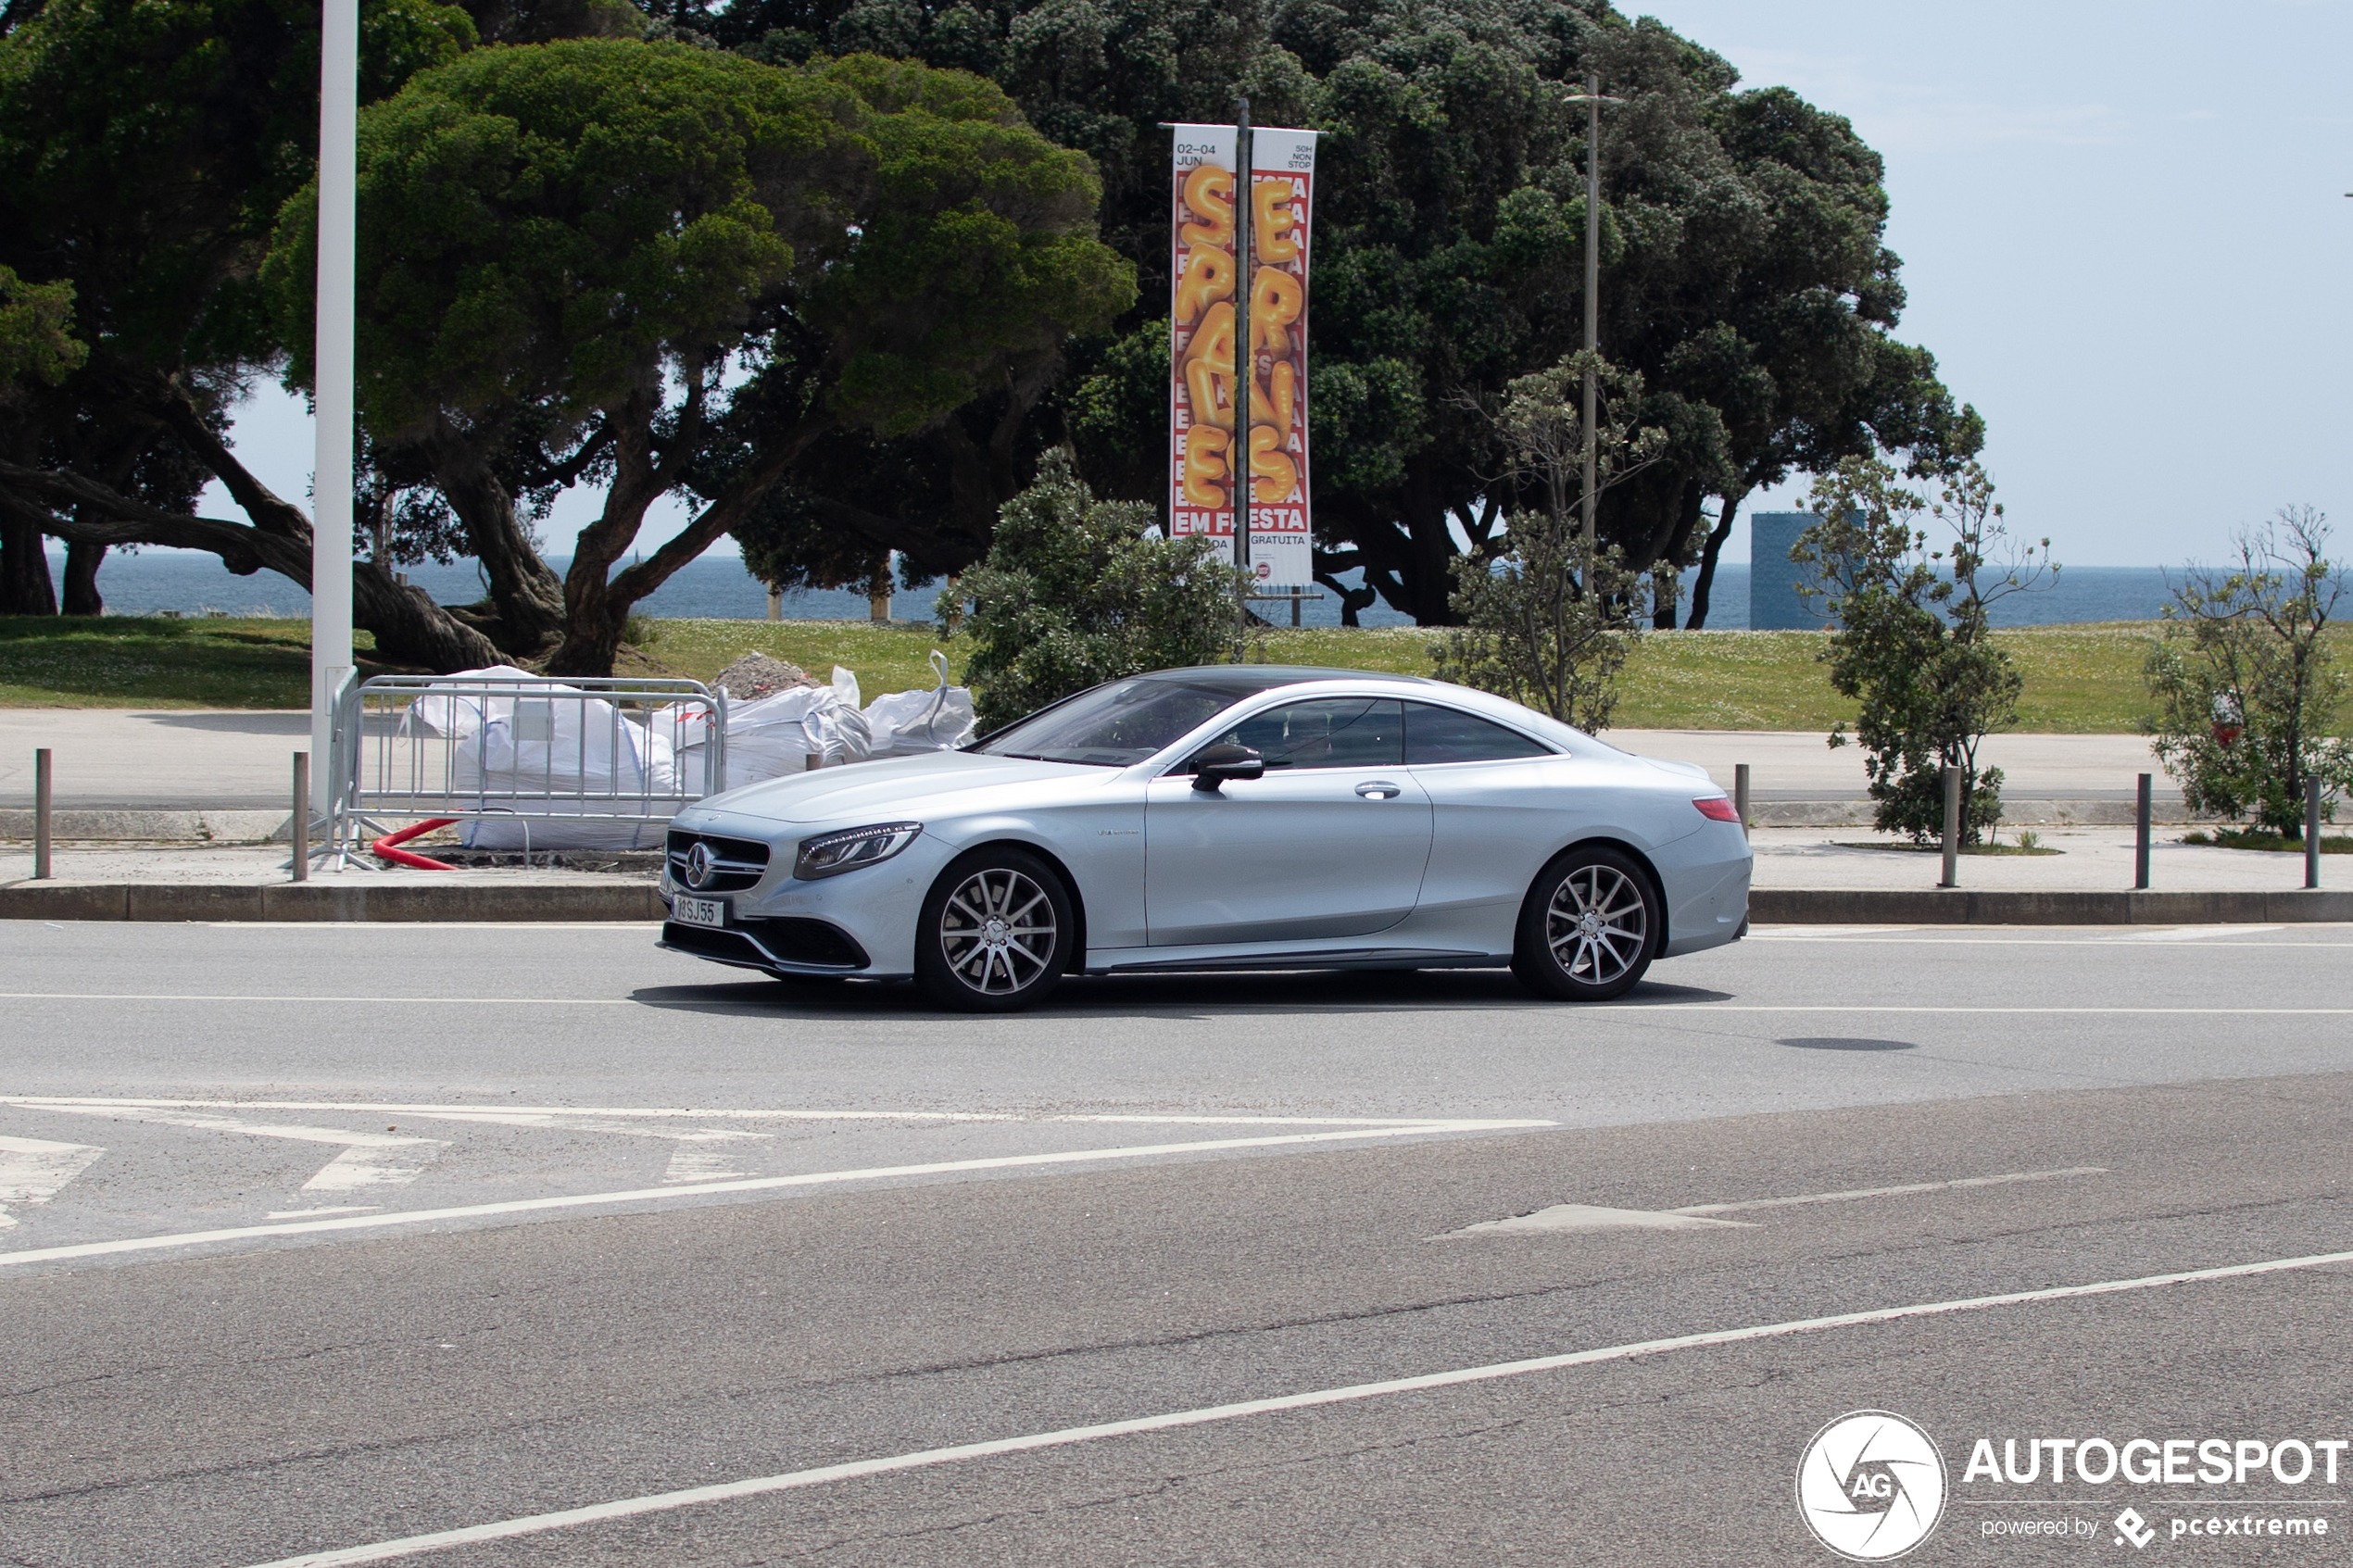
[
  {"x": 1245, "y": 370},
  {"x": 330, "y": 468},
  {"x": 1592, "y": 100}
]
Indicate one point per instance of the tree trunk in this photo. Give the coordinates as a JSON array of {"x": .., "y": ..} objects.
[
  {"x": 1667, "y": 559},
  {"x": 600, "y": 605},
  {"x": 82, "y": 579},
  {"x": 1705, "y": 582},
  {"x": 409, "y": 627},
  {"x": 24, "y": 570},
  {"x": 526, "y": 607}
]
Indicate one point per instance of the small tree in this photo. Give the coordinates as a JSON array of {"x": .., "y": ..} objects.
[
  {"x": 1915, "y": 641},
  {"x": 1548, "y": 624},
  {"x": 2248, "y": 697},
  {"x": 1076, "y": 592}
]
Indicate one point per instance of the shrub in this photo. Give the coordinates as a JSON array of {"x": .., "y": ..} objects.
[
  {"x": 1532, "y": 632},
  {"x": 1076, "y": 592},
  {"x": 2246, "y": 693},
  {"x": 1914, "y": 642}
]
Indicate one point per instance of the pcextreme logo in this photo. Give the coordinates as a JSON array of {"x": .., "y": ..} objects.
[{"x": 1870, "y": 1485}]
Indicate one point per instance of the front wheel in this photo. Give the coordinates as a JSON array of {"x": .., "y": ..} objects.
[
  {"x": 1589, "y": 927},
  {"x": 994, "y": 933}
]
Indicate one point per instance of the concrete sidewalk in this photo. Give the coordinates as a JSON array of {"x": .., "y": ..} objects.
[{"x": 208, "y": 762}]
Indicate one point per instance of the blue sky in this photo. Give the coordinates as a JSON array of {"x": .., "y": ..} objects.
[{"x": 2124, "y": 233}]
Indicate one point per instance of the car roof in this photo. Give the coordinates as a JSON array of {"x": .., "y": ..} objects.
[{"x": 1243, "y": 680}]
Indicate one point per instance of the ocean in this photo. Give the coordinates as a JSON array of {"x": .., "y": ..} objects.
[{"x": 717, "y": 588}]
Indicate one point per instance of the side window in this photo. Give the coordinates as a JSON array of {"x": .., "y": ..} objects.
[
  {"x": 1441, "y": 734},
  {"x": 1349, "y": 732}
]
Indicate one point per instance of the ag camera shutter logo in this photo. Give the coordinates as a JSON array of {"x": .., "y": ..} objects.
[{"x": 1870, "y": 1485}]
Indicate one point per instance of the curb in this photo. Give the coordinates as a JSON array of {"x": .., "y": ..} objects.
[
  {"x": 634, "y": 900},
  {"x": 1959, "y": 906},
  {"x": 310, "y": 901},
  {"x": 220, "y": 825}
]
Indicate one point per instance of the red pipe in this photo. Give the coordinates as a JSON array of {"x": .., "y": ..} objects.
[{"x": 385, "y": 851}]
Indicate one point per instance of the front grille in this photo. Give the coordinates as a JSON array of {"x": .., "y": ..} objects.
[
  {"x": 809, "y": 941},
  {"x": 737, "y": 863}
]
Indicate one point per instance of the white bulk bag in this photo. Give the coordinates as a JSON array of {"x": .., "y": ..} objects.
[
  {"x": 585, "y": 753},
  {"x": 910, "y": 724},
  {"x": 777, "y": 735}
]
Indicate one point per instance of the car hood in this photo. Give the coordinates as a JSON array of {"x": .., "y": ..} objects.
[{"x": 896, "y": 786}]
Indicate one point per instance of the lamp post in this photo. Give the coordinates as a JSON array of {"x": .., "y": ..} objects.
[
  {"x": 330, "y": 468},
  {"x": 1245, "y": 370},
  {"x": 1592, "y": 100}
]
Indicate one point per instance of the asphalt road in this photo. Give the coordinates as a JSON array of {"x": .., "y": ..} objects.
[{"x": 325, "y": 1236}]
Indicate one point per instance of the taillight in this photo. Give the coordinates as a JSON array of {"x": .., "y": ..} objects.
[{"x": 1717, "y": 807}]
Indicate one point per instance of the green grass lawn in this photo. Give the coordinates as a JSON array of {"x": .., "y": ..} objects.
[
  {"x": 141, "y": 661},
  {"x": 2079, "y": 678}
]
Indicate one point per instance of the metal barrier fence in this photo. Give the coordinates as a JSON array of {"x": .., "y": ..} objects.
[{"x": 599, "y": 763}]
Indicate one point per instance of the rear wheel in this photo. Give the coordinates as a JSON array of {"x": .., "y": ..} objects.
[
  {"x": 1589, "y": 927},
  {"x": 994, "y": 933}
]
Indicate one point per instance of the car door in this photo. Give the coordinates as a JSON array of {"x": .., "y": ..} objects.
[
  {"x": 1330, "y": 844},
  {"x": 1499, "y": 799}
]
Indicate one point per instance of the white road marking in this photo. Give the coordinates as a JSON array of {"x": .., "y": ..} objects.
[
  {"x": 511, "y": 1112},
  {"x": 313, "y": 1213},
  {"x": 1965, "y": 936},
  {"x": 690, "y": 1497},
  {"x": 2029, "y": 1012},
  {"x": 756, "y": 1184},
  {"x": 1891, "y": 1192},
  {"x": 2193, "y": 933},
  {"x": 33, "y": 1170},
  {"x": 1587, "y": 1217},
  {"x": 1590, "y": 1217},
  {"x": 367, "y": 1001},
  {"x": 368, "y": 1159},
  {"x": 697, "y": 1159}
]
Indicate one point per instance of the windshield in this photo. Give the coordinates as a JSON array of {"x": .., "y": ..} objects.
[{"x": 1114, "y": 725}]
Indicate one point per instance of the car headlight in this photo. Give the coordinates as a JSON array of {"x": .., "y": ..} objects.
[{"x": 833, "y": 853}]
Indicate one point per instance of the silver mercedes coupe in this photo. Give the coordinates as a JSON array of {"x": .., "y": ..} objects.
[{"x": 1233, "y": 817}]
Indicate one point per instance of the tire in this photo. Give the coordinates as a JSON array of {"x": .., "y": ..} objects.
[
  {"x": 1589, "y": 928},
  {"x": 961, "y": 963}
]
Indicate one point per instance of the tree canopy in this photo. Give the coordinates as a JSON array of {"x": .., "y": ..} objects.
[
  {"x": 1744, "y": 273},
  {"x": 569, "y": 247}
]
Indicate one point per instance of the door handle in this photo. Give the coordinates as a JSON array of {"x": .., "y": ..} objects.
[{"x": 1379, "y": 789}]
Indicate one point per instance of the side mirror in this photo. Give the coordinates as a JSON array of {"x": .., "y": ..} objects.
[{"x": 1216, "y": 764}]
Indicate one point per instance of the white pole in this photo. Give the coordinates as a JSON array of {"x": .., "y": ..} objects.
[{"x": 330, "y": 473}]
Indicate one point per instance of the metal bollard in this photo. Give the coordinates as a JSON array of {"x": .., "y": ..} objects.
[
  {"x": 2311, "y": 833},
  {"x": 41, "y": 814},
  {"x": 2141, "y": 838},
  {"x": 1739, "y": 795},
  {"x": 298, "y": 831},
  {"x": 1952, "y": 828}
]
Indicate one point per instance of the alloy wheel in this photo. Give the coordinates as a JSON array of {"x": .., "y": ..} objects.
[
  {"x": 1596, "y": 924},
  {"x": 998, "y": 931}
]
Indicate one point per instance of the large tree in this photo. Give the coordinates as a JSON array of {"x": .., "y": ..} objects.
[
  {"x": 145, "y": 150},
  {"x": 679, "y": 271},
  {"x": 1742, "y": 272}
]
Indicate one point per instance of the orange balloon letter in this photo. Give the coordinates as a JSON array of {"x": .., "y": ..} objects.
[
  {"x": 1205, "y": 472},
  {"x": 1275, "y": 301},
  {"x": 1276, "y": 410},
  {"x": 1273, "y": 475},
  {"x": 1273, "y": 220},
  {"x": 1209, "y": 275},
  {"x": 1209, "y": 191}
]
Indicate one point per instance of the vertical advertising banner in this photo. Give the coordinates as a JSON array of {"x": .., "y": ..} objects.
[{"x": 1211, "y": 440}]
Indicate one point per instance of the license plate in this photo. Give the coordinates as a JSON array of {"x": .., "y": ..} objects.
[{"x": 698, "y": 911}]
